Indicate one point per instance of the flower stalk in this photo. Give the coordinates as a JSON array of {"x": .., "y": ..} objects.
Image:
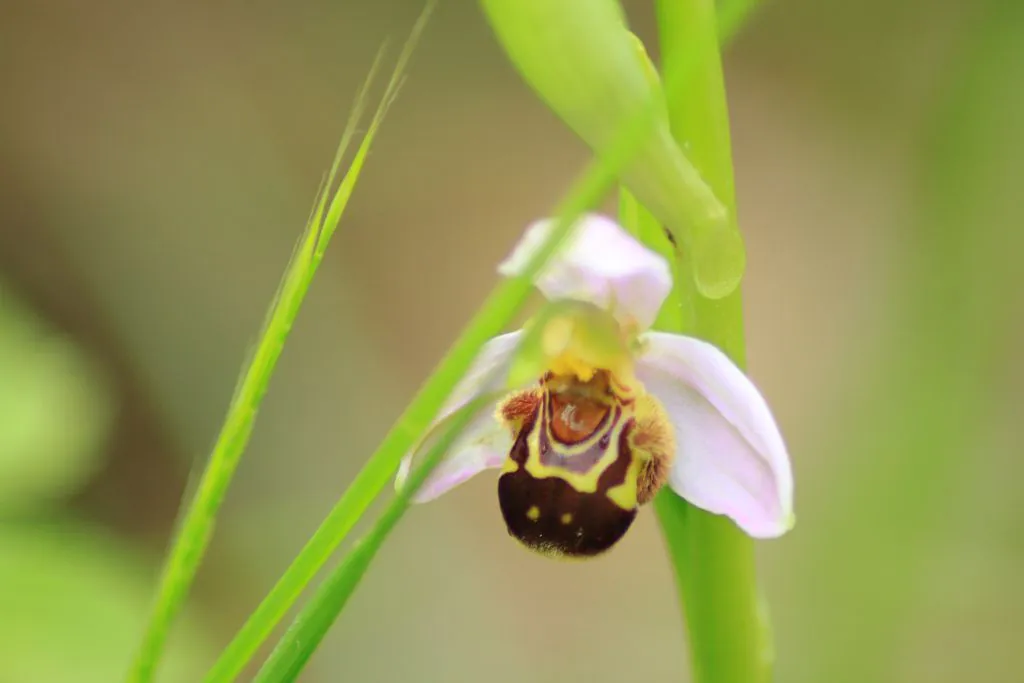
[
  {"x": 713, "y": 560},
  {"x": 727, "y": 631}
]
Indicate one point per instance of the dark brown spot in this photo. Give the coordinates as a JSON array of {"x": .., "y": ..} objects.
[{"x": 671, "y": 237}]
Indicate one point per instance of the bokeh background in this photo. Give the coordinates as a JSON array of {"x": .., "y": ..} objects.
[{"x": 157, "y": 163}]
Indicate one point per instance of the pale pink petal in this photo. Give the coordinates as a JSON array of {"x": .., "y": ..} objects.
[
  {"x": 599, "y": 263},
  {"x": 485, "y": 442},
  {"x": 730, "y": 456}
]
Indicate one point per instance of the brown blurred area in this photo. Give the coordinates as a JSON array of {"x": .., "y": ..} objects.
[{"x": 157, "y": 163}]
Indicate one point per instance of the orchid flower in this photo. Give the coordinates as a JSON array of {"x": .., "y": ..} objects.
[{"x": 615, "y": 411}]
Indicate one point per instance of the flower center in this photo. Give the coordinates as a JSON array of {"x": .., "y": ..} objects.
[{"x": 586, "y": 347}]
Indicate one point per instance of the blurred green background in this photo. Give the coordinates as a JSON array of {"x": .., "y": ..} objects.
[{"x": 157, "y": 162}]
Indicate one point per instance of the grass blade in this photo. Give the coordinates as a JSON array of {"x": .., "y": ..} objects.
[
  {"x": 196, "y": 522},
  {"x": 713, "y": 560},
  {"x": 306, "y": 632}
]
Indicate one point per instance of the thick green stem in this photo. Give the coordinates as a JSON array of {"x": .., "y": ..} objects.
[{"x": 714, "y": 560}]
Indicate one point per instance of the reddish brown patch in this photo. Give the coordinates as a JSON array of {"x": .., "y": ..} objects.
[
  {"x": 652, "y": 435},
  {"x": 519, "y": 407},
  {"x": 574, "y": 418},
  {"x": 652, "y": 477}
]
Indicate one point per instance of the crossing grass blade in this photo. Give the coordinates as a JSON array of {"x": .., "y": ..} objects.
[{"x": 196, "y": 521}]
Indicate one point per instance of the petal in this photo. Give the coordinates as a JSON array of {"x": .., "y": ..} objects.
[
  {"x": 599, "y": 263},
  {"x": 730, "y": 457},
  {"x": 485, "y": 442}
]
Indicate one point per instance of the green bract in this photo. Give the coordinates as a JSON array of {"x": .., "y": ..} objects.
[{"x": 583, "y": 62}]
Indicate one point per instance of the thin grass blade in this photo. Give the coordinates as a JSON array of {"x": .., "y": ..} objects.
[
  {"x": 307, "y": 631},
  {"x": 196, "y": 520}
]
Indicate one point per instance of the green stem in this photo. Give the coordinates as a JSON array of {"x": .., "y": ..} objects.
[{"x": 714, "y": 560}]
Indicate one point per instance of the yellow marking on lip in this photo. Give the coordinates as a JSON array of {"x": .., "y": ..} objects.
[
  {"x": 533, "y": 514},
  {"x": 584, "y": 482},
  {"x": 624, "y": 495},
  {"x": 566, "y": 518}
]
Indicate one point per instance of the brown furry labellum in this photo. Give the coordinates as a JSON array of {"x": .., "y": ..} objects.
[{"x": 586, "y": 456}]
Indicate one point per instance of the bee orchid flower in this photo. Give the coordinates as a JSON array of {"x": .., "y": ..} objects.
[{"x": 614, "y": 411}]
